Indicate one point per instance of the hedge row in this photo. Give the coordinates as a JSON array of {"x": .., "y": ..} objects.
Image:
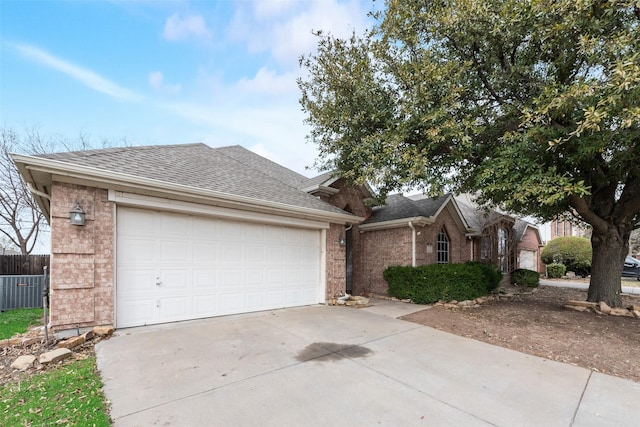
[{"x": 428, "y": 284}]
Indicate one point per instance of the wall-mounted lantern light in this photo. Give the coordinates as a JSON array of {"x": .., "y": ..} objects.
[
  {"x": 76, "y": 215},
  {"x": 341, "y": 240}
]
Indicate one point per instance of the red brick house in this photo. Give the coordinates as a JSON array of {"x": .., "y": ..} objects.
[{"x": 181, "y": 232}]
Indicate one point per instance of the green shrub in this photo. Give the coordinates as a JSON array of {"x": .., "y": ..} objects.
[
  {"x": 428, "y": 284},
  {"x": 492, "y": 275},
  {"x": 556, "y": 270},
  {"x": 572, "y": 251},
  {"x": 524, "y": 277}
]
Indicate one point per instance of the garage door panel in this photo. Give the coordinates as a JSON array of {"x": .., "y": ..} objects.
[
  {"x": 204, "y": 279},
  {"x": 210, "y": 267},
  {"x": 137, "y": 312},
  {"x": 137, "y": 282},
  {"x": 204, "y": 252},
  {"x": 255, "y": 278},
  {"x": 204, "y": 305},
  {"x": 254, "y": 300},
  {"x": 174, "y": 308},
  {"x": 230, "y": 278},
  {"x": 136, "y": 251}
]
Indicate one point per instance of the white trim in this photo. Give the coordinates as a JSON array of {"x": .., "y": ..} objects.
[
  {"x": 323, "y": 266},
  {"x": 149, "y": 202},
  {"x": 413, "y": 244},
  {"x": 115, "y": 264}
]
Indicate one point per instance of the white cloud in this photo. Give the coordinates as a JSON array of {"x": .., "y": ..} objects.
[
  {"x": 271, "y": 8},
  {"x": 267, "y": 81},
  {"x": 285, "y": 29},
  {"x": 277, "y": 132},
  {"x": 156, "y": 81},
  {"x": 87, "y": 77},
  {"x": 182, "y": 28}
]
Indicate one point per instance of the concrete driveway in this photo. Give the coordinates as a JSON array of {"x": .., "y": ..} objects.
[{"x": 337, "y": 366}]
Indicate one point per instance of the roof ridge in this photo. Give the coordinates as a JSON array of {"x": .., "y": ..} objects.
[
  {"x": 95, "y": 151},
  {"x": 261, "y": 171}
]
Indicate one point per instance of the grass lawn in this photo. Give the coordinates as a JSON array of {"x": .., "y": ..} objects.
[
  {"x": 69, "y": 396},
  {"x": 18, "y": 321}
]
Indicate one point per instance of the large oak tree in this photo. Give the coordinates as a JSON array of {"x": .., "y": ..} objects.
[{"x": 534, "y": 104}]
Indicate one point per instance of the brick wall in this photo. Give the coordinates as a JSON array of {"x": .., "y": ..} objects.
[
  {"x": 82, "y": 264},
  {"x": 351, "y": 199},
  {"x": 336, "y": 257},
  {"x": 383, "y": 248}
]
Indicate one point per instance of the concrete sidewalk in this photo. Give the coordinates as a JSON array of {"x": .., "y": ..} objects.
[
  {"x": 631, "y": 290},
  {"x": 338, "y": 366}
]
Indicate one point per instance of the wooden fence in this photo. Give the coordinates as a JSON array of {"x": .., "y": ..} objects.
[{"x": 23, "y": 265}]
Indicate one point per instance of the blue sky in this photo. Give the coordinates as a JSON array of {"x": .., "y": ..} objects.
[{"x": 166, "y": 72}]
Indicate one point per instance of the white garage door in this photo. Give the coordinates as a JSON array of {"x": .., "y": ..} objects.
[
  {"x": 528, "y": 260},
  {"x": 174, "y": 267}
]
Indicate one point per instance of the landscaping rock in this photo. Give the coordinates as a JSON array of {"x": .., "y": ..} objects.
[
  {"x": 582, "y": 304},
  {"x": 621, "y": 312},
  {"x": 24, "y": 362},
  {"x": 604, "y": 307},
  {"x": 55, "y": 355},
  {"x": 72, "y": 342},
  {"x": 103, "y": 330}
]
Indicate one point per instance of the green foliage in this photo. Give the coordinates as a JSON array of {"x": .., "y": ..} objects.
[
  {"x": 18, "y": 321},
  {"x": 572, "y": 251},
  {"x": 71, "y": 396},
  {"x": 556, "y": 270},
  {"x": 524, "y": 277},
  {"x": 492, "y": 275},
  {"x": 428, "y": 284},
  {"x": 532, "y": 104}
]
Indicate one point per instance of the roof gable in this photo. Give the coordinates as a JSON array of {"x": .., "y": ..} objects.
[{"x": 399, "y": 210}]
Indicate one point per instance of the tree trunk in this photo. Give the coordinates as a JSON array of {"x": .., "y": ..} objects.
[{"x": 609, "y": 250}]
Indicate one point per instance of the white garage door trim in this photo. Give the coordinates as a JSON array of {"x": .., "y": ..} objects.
[
  {"x": 173, "y": 266},
  {"x": 157, "y": 203}
]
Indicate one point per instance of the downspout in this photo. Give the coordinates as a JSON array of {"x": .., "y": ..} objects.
[
  {"x": 38, "y": 192},
  {"x": 413, "y": 244}
]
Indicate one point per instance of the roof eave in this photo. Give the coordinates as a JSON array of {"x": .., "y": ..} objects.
[{"x": 419, "y": 221}]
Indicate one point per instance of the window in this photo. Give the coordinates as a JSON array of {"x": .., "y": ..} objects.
[
  {"x": 442, "y": 248},
  {"x": 503, "y": 260}
]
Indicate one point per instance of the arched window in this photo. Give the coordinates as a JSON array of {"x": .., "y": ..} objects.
[{"x": 442, "y": 248}]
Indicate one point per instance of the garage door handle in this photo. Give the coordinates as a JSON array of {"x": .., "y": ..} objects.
[{"x": 158, "y": 281}]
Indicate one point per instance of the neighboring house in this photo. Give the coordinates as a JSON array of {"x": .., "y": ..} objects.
[
  {"x": 529, "y": 244},
  {"x": 492, "y": 234},
  {"x": 181, "y": 232}
]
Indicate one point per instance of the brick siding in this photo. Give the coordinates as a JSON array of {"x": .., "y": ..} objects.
[
  {"x": 387, "y": 247},
  {"x": 82, "y": 264}
]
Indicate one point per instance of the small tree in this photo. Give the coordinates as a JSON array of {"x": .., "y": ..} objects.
[
  {"x": 572, "y": 251},
  {"x": 21, "y": 218}
]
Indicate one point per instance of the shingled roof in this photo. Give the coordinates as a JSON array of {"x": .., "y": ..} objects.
[
  {"x": 398, "y": 207},
  {"x": 231, "y": 170}
]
